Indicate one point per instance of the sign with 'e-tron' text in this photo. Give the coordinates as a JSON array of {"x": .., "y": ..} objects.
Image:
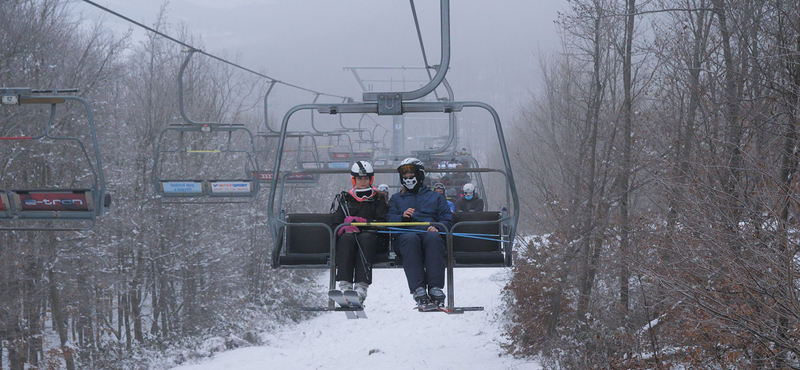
[{"x": 53, "y": 201}]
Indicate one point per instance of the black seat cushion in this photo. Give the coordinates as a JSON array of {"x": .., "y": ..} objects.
[{"x": 489, "y": 231}]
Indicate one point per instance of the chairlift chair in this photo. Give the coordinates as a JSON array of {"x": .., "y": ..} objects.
[
  {"x": 193, "y": 190},
  {"x": 60, "y": 206},
  {"x": 307, "y": 240},
  {"x": 305, "y": 155},
  {"x": 340, "y": 152}
]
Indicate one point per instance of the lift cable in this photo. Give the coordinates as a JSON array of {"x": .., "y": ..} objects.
[{"x": 211, "y": 55}]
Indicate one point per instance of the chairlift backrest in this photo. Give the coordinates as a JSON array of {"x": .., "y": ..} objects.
[{"x": 55, "y": 203}]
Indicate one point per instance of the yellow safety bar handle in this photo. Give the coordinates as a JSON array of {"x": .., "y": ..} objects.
[{"x": 390, "y": 224}]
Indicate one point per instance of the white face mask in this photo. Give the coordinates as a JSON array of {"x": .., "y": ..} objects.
[{"x": 410, "y": 183}]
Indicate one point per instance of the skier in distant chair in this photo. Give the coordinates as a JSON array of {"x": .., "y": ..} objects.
[
  {"x": 470, "y": 202},
  {"x": 383, "y": 188},
  {"x": 439, "y": 188},
  {"x": 355, "y": 248},
  {"x": 424, "y": 251}
]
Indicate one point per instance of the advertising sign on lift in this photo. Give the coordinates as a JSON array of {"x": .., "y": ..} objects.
[
  {"x": 339, "y": 165},
  {"x": 313, "y": 165},
  {"x": 52, "y": 201},
  {"x": 300, "y": 177},
  {"x": 231, "y": 187},
  {"x": 4, "y": 206},
  {"x": 182, "y": 187},
  {"x": 292, "y": 178}
]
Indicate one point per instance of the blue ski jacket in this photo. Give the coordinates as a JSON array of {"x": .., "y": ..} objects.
[{"x": 429, "y": 206}]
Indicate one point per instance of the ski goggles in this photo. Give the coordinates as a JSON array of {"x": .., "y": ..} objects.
[{"x": 408, "y": 168}]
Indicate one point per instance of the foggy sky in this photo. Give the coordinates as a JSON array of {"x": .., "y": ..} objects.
[{"x": 308, "y": 42}]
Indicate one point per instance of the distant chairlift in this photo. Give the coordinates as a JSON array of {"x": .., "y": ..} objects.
[
  {"x": 340, "y": 152},
  {"x": 305, "y": 155},
  {"x": 203, "y": 191},
  {"x": 58, "y": 203},
  {"x": 189, "y": 190}
]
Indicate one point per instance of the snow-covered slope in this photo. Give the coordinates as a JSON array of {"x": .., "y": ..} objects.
[{"x": 394, "y": 337}]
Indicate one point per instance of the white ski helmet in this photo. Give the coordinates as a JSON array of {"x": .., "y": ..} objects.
[
  {"x": 469, "y": 189},
  {"x": 362, "y": 169},
  {"x": 383, "y": 187}
]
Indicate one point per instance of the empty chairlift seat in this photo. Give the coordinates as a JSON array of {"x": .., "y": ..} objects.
[
  {"x": 477, "y": 251},
  {"x": 307, "y": 243}
]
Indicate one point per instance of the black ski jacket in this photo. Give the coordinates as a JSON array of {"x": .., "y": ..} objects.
[{"x": 373, "y": 209}]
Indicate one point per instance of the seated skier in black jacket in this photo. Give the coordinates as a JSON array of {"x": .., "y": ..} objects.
[{"x": 355, "y": 248}]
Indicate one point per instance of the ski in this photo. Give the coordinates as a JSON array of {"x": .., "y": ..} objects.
[
  {"x": 328, "y": 309},
  {"x": 352, "y": 298},
  {"x": 430, "y": 307},
  {"x": 338, "y": 297}
]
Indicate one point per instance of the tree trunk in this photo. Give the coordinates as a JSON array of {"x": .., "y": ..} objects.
[
  {"x": 126, "y": 317},
  {"x": 731, "y": 174},
  {"x": 58, "y": 314},
  {"x": 154, "y": 301},
  {"x": 136, "y": 296},
  {"x": 789, "y": 163},
  {"x": 15, "y": 360},
  {"x": 627, "y": 130},
  {"x": 558, "y": 296},
  {"x": 587, "y": 227},
  {"x": 32, "y": 299},
  {"x": 120, "y": 315}
]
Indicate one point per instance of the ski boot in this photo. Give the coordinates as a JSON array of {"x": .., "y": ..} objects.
[{"x": 437, "y": 296}]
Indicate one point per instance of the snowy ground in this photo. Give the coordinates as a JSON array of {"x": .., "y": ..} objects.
[{"x": 394, "y": 337}]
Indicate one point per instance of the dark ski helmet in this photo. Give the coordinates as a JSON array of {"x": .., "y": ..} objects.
[{"x": 411, "y": 165}]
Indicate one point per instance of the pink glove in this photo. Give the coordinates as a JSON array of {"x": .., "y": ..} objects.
[{"x": 350, "y": 228}]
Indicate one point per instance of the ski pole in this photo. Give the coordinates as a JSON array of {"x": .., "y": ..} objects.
[{"x": 367, "y": 266}]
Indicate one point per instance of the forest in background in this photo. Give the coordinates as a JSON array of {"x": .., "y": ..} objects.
[
  {"x": 662, "y": 184},
  {"x": 151, "y": 280}
]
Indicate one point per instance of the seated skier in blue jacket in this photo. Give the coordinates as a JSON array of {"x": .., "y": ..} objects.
[{"x": 423, "y": 251}]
